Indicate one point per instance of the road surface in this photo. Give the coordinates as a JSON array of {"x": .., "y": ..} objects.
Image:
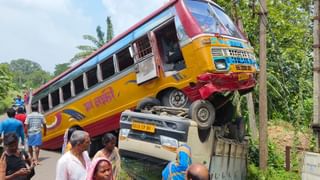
[{"x": 47, "y": 168}]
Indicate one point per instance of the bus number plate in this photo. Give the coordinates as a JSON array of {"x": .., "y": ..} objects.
[
  {"x": 143, "y": 127},
  {"x": 243, "y": 77}
]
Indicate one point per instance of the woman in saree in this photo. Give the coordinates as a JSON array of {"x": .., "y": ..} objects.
[
  {"x": 111, "y": 153},
  {"x": 176, "y": 170}
]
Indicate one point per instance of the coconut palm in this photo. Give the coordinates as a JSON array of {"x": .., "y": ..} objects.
[{"x": 99, "y": 41}]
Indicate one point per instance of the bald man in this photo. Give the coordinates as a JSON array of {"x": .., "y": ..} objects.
[{"x": 197, "y": 172}]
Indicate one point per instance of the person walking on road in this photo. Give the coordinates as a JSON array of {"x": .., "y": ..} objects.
[
  {"x": 74, "y": 164},
  {"x": 34, "y": 124},
  {"x": 12, "y": 125}
]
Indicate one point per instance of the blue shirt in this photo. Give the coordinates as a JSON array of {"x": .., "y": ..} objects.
[
  {"x": 19, "y": 102},
  {"x": 12, "y": 125}
]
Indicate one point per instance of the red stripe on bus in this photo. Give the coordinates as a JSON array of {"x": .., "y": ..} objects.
[{"x": 100, "y": 127}]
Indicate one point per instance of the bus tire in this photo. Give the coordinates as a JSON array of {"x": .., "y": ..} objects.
[
  {"x": 148, "y": 103},
  {"x": 203, "y": 113},
  {"x": 175, "y": 98}
]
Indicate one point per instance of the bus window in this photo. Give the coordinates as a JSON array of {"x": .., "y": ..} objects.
[
  {"x": 107, "y": 68},
  {"x": 168, "y": 43},
  {"x": 78, "y": 84},
  {"x": 66, "y": 90},
  {"x": 124, "y": 59},
  {"x": 45, "y": 103},
  {"x": 143, "y": 47},
  {"x": 92, "y": 77},
  {"x": 55, "y": 98}
]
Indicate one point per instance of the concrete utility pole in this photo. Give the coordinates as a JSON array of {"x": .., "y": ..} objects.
[
  {"x": 316, "y": 74},
  {"x": 263, "y": 111}
]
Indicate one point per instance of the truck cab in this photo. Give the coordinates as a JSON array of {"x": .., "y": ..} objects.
[{"x": 155, "y": 135}]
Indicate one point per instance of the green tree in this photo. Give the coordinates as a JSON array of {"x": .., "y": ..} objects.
[
  {"x": 101, "y": 39},
  {"x": 5, "y": 81},
  {"x": 60, "y": 68},
  {"x": 289, "y": 49},
  {"x": 24, "y": 74}
]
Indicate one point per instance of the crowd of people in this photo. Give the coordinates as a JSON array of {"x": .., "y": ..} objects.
[{"x": 75, "y": 163}]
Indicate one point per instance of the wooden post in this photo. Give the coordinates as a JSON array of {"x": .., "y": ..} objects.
[
  {"x": 316, "y": 75},
  {"x": 263, "y": 112}
]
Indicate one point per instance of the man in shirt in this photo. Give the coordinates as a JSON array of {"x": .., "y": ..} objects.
[
  {"x": 12, "y": 125},
  {"x": 73, "y": 165},
  {"x": 34, "y": 124}
]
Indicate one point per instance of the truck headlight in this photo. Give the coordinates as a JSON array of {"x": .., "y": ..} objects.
[
  {"x": 220, "y": 64},
  {"x": 168, "y": 143},
  {"x": 123, "y": 134}
]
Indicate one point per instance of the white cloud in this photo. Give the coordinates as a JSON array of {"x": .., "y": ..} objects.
[
  {"x": 128, "y": 12},
  {"x": 46, "y": 32}
]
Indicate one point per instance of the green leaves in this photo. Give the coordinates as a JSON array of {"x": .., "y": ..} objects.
[
  {"x": 289, "y": 49},
  {"x": 101, "y": 39}
]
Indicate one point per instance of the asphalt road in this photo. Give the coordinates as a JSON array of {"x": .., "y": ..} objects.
[{"x": 47, "y": 168}]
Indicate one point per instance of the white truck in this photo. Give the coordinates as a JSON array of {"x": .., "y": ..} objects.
[{"x": 157, "y": 133}]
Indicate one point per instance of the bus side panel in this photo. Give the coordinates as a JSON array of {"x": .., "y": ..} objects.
[{"x": 98, "y": 109}]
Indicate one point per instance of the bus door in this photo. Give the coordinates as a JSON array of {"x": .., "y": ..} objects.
[
  {"x": 169, "y": 49},
  {"x": 146, "y": 66}
]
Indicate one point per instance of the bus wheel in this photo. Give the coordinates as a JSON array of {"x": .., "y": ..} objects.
[
  {"x": 175, "y": 98},
  {"x": 203, "y": 113},
  {"x": 147, "y": 103}
]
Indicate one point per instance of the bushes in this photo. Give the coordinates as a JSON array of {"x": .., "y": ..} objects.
[{"x": 275, "y": 165}]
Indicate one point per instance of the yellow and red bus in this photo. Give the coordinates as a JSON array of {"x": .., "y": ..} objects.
[{"x": 188, "y": 51}]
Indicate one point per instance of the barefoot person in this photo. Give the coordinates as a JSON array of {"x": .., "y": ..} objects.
[{"x": 34, "y": 124}]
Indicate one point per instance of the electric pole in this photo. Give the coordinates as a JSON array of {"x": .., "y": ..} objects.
[
  {"x": 316, "y": 74},
  {"x": 263, "y": 112}
]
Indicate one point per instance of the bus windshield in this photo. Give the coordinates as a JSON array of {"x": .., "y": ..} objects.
[{"x": 212, "y": 19}]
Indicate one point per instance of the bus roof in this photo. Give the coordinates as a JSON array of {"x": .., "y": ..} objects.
[{"x": 117, "y": 38}]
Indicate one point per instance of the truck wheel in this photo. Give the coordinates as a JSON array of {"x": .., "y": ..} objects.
[
  {"x": 148, "y": 103},
  {"x": 203, "y": 113},
  {"x": 237, "y": 129},
  {"x": 175, "y": 98},
  {"x": 225, "y": 114}
]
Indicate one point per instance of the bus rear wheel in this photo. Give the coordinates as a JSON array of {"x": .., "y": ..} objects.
[
  {"x": 175, "y": 98},
  {"x": 203, "y": 113},
  {"x": 147, "y": 103}
]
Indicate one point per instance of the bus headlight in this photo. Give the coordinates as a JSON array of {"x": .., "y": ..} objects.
[
  {"x": 168, "y": 143},
  {"x": 220, "y": 64},
  {"x": 123, "y": 134}
]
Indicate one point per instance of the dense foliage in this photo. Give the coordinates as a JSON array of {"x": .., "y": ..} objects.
[
  {"x": 289, "y": 53},
  {"x": 27, "y": 74}
]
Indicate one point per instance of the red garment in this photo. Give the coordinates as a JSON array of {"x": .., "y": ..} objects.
[{"x": 21, "y": 117}]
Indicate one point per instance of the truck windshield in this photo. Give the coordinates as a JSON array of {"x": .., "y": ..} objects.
[{"x": 212, "y": 19}]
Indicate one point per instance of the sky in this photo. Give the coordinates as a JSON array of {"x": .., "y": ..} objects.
[{"x": 48, "y": 31}]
